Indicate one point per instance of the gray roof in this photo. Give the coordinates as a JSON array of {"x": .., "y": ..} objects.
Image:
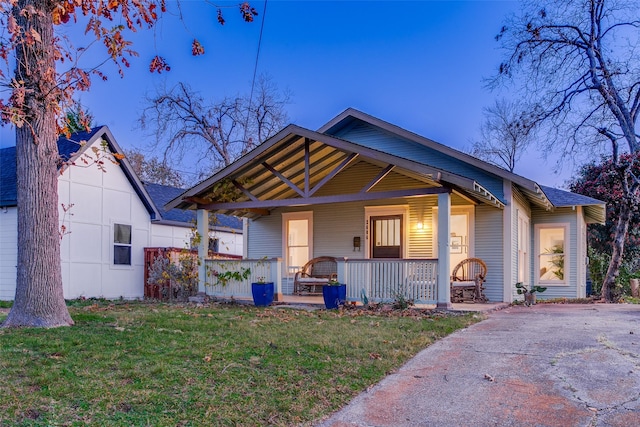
[
  {"x": 8, "y": 191},
  {"x": 155, "y": 194},
  {"x": 162, "y": 194},
  {"x": 563, "y": 198}
]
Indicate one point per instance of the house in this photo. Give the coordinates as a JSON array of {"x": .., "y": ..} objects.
[
  {"x": 109, "y": 217},
  {"x": 399, "y": 211}
]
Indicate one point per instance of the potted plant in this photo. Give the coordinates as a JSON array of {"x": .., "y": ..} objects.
[
  {"x": 334, "y": 294},
  {"x": 262, "y": 292},
  {"x": 529, "y": 294}
]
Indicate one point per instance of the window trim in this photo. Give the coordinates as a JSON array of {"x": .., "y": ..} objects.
[
  {"x": 523, "y": 258},
  {"x": 384, "y": 210},
  {"x": 114, "y": 244},
  {"x": 567, "y": 255},
  {"x": 286, "y": 217}
]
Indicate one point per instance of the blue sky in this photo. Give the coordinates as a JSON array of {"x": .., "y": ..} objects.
[{"x": 417, "y": 64}]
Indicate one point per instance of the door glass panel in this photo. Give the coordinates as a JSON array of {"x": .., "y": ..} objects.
[
  {"x": 387, "y": 233},
  {"x": 297, "y": 243}
]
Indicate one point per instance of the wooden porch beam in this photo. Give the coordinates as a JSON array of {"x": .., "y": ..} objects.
[
  {"x": 384, "y": 172},
  {"x": 244, "y": 190},
  {"x": 346, "y": 162},
  {"x": 283, "y": 179},
  {"x": 394, "y": 194}
]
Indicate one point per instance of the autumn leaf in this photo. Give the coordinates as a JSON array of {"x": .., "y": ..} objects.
[{"x": 196, "y": 48}]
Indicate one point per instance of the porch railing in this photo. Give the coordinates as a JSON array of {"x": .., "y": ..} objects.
[
  {"x": 385, "y": 280},
  {"x": 380, "y": 280},
  {"x": 256, "y": 270}
]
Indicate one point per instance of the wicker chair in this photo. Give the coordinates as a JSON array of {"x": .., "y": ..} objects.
[
  {"x": 467, "y": 281},
  {"x": 315, "y": 273}
]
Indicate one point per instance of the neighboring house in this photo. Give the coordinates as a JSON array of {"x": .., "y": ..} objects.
[
  {"x": 396, "y": 204},
  {"x": 110, "y": 218}
]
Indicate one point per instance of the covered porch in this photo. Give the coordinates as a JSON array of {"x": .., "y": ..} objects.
[{"x": 339, "y": 186}]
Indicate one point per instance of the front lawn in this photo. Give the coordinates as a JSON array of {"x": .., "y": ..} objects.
[{"x": 160, "y": 365}]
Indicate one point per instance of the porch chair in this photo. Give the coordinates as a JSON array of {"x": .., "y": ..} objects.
[
  {"x": 314, "y": 274},
  {"x": 467, "y": 279}
]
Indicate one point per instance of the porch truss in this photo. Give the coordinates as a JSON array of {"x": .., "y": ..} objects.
[{"x": 293, "y": 167}]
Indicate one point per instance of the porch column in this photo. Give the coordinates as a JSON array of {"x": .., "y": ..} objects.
[
  {"x": 444, "y": 265},
  {"x": 203, "y": 248}
]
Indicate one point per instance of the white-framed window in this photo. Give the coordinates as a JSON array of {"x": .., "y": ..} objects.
[
  {"x": 524, "y": 243},
  {"x": 121, "y": 244},
  {"x": 552, "y": 254},
  {"x": 298, "y": 241}
]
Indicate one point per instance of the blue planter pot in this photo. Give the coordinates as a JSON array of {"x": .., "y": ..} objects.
[
  {"x": 334, "y": 295},
  {"x": 262, "y": 293}
]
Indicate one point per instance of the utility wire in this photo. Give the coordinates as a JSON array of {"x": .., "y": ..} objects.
[{"x": 255, "y": 71}]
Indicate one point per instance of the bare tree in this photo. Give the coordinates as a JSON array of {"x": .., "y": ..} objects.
[
  {"x": 153, "y": 170},
  {"x": 578, "y": 61},
  {"x": 220, "y": 132},
  {"x": 505, "y": 134}
]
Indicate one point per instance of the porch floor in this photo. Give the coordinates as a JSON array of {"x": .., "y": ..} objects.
[{"x": 317, "y": 302}]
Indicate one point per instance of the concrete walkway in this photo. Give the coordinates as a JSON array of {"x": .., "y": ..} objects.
[{"x": 547, "y": 365}]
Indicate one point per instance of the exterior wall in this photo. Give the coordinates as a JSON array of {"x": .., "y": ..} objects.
[
  {"x": 489, "y": 248},
  {"x": 168, "y": 236},
  {"x": 370, "y": 136},
  {"x": 8, "y": 252},
  {"x": 99, "y": 200},
  {"x": 521, "y": 206},
  {"x": 561, "y": 215}
]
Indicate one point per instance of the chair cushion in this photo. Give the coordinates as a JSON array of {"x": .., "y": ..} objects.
[
  {"x": 312, "y": 280},
  {"x": 464, "y": 284}
]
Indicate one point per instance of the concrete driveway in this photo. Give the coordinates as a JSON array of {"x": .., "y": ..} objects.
[{"x": 547, "y": 365}]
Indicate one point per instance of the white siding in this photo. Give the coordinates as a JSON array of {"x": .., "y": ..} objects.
[
  {"x": 99, "y": 201},
  {"x": 167, "y": 236},
  {"x": 8, "y": 252}
]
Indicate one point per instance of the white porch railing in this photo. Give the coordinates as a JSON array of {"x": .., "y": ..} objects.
[
  {"x": 383, "y": 280},
  {"x": 257, "y": 269}
]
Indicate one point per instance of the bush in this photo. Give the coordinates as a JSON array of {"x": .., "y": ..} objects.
[{"x": 598, "y": 265}]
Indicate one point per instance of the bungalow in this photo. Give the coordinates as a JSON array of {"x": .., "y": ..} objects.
[
  {"x": 108, "y": 218},
  {"x": 388, "y": 203}
]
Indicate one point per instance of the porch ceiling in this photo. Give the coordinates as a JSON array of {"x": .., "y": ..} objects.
[{"x": 291, "y": 168}]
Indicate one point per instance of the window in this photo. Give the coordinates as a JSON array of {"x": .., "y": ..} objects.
[
  {"x": 121, "y": 244},
  {"x": 523, "y": 248},
  {"x": 298, "y": 240},
  {"x": 214, "y": 245},
  {"x": 552, "y": 252}
]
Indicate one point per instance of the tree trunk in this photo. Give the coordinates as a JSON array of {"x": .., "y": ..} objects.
[
  {"x": 39, "y": 300},
  {"x": 622, "y": 226}
]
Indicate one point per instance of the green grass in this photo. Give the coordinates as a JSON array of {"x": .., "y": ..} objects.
[{"x": 228, "y": 365}]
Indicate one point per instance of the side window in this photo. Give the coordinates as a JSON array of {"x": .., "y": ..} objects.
[
  {"x": 214, "y": 245},
  {"x": 552, "y": 252},
  {"x": 121, "y": 244}
]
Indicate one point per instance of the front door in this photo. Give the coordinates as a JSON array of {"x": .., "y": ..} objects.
[{"x": 387, "y": 236}]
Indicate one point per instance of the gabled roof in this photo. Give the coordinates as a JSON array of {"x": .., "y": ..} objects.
[
  {"x": 347, "y": 118},
  {"x": 594, "y": 208},
  {"x": 162, "y": 194},
  {"x": 70, "y": 149},
  {"x": 289, "y": 168}
]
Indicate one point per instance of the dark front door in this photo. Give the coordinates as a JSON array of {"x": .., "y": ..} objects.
[{"x": 387, "y": 236}]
